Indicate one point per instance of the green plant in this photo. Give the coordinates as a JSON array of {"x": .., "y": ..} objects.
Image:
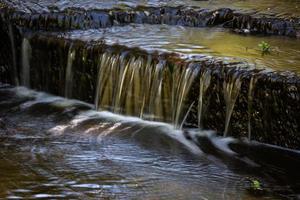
[
  {"x": 256, "y": 185},
  {"x": 264, "y": 47}
]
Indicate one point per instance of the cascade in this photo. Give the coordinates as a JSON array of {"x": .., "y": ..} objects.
[
  {"x": 26, "y": 55},
  {"x": 69, "y": 73},
  {"x": 143, "y": 87},
  {"x": 14, "y": 54},
  {"x": 250, "y": 102},
  {"x": 205, "y": 80},
  {"x": 182, "y": 81},
  {"x": 231, "y": 89}
]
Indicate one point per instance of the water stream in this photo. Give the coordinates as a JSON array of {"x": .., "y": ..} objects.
[
  {"x": 204, "y": 84},
  {"x": 133, "y": 142},
  {"x": 14, "y": 55},
  {"x": 143, "y": 87},
  {"x": 231, "y": 88},
  {"x": 69, "y": 73},
  {"x": 195, "y": 42},
  {"x": 62, "y": 149},
  {"x": 26, "y": 55}
]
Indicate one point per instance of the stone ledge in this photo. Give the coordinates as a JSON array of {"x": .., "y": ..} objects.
[{"x": 72, "y": 18}]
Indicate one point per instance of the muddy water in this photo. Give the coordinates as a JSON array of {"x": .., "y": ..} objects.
[
  {"x": 61, "y": 149},
  {"x": 191, "y": 42}
]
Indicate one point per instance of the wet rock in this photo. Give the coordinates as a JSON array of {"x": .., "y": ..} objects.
[{"x": 75, "y": 18}]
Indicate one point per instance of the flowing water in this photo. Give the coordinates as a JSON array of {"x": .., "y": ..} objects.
[
  {"x": 69, "y": 71},
  {"x": 231, "y": 90},
  {"x": 56, "y": 148},
  {"x": 193, "y": 42},
  {"x": 137, "y": 86},
  {"x": 26, "y": 54},
  {"x": 13, "y": 53},
  {"x": 205, "y": 80}
]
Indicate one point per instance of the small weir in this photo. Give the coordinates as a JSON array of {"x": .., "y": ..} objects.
[
  {"x": 154, "y": 99},
  {"x": 159, "y": 82}
]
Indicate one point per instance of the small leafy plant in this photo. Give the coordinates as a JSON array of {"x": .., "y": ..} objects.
[
  {"x": 264, "y": 47},
  {"x": 255, "y": 187}
]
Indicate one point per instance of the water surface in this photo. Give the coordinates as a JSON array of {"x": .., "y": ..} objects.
[
  {"x": 62, "y": 149},
  {"x": 194, "y": 42}
]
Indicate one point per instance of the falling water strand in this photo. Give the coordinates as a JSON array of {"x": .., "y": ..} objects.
[
  {"x": 14, "y": 56},
  {"x": 183, "y": 83},
  {"x": 26, "y": 55},
  {"x": 105, "y": 87},
  {"x": 155, "y": 98},
  {"x": 146, "y": 84},
  {"x": 135, "y": 87},
  {"x": 69, "y": 73},
  {"x": 250, "y": 102},
  {"x": 231, "y": 88},
  {"x": 205, "y": 80},
  {"x": 140, "y": 87},
  {"x": 103, "y": 61},
  {"x": 131, "y": 104},
  {"x": 186, "y": 115},
  {"x": 121, "y": 72}
]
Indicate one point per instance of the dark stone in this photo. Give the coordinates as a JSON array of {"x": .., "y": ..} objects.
[{"x": 75, "y": 18}]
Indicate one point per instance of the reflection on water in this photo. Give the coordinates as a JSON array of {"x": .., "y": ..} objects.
[
  {"x": 61, "y": 149},
  {"x": 287, "y": 8},
  {"x": 208, "y": 41}
]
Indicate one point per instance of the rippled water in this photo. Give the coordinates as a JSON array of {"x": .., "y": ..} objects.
[
  {"x": 288, "y": 8},
  {"x": 55, "y": 148},
  {"x": 284, "y": 53}
]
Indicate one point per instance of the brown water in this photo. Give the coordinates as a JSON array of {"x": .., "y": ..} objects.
[
  {"x": 194, "y": 42},
  {"x": 55, "y": 148}
]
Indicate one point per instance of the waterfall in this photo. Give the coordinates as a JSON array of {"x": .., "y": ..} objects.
[
  {"x": 182, "y": 81},
  {"x": 231, "y": 88},
  {"x": 14, "y": 55},
  {"x": 205, "y": 80},
  {"x": 26, "y": 55},
  {"x": 155, "y": 92},
  {"x": 143, "y": 87},
  {"x": 69, "y": 73},
  {"x": 250, "y": 102}
]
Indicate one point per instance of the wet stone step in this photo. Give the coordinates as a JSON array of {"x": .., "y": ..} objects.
[
  {"x": 79, "y": 18},
  {"x": 276, "y": 8},
  {"x": 163, "y": 84}
]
